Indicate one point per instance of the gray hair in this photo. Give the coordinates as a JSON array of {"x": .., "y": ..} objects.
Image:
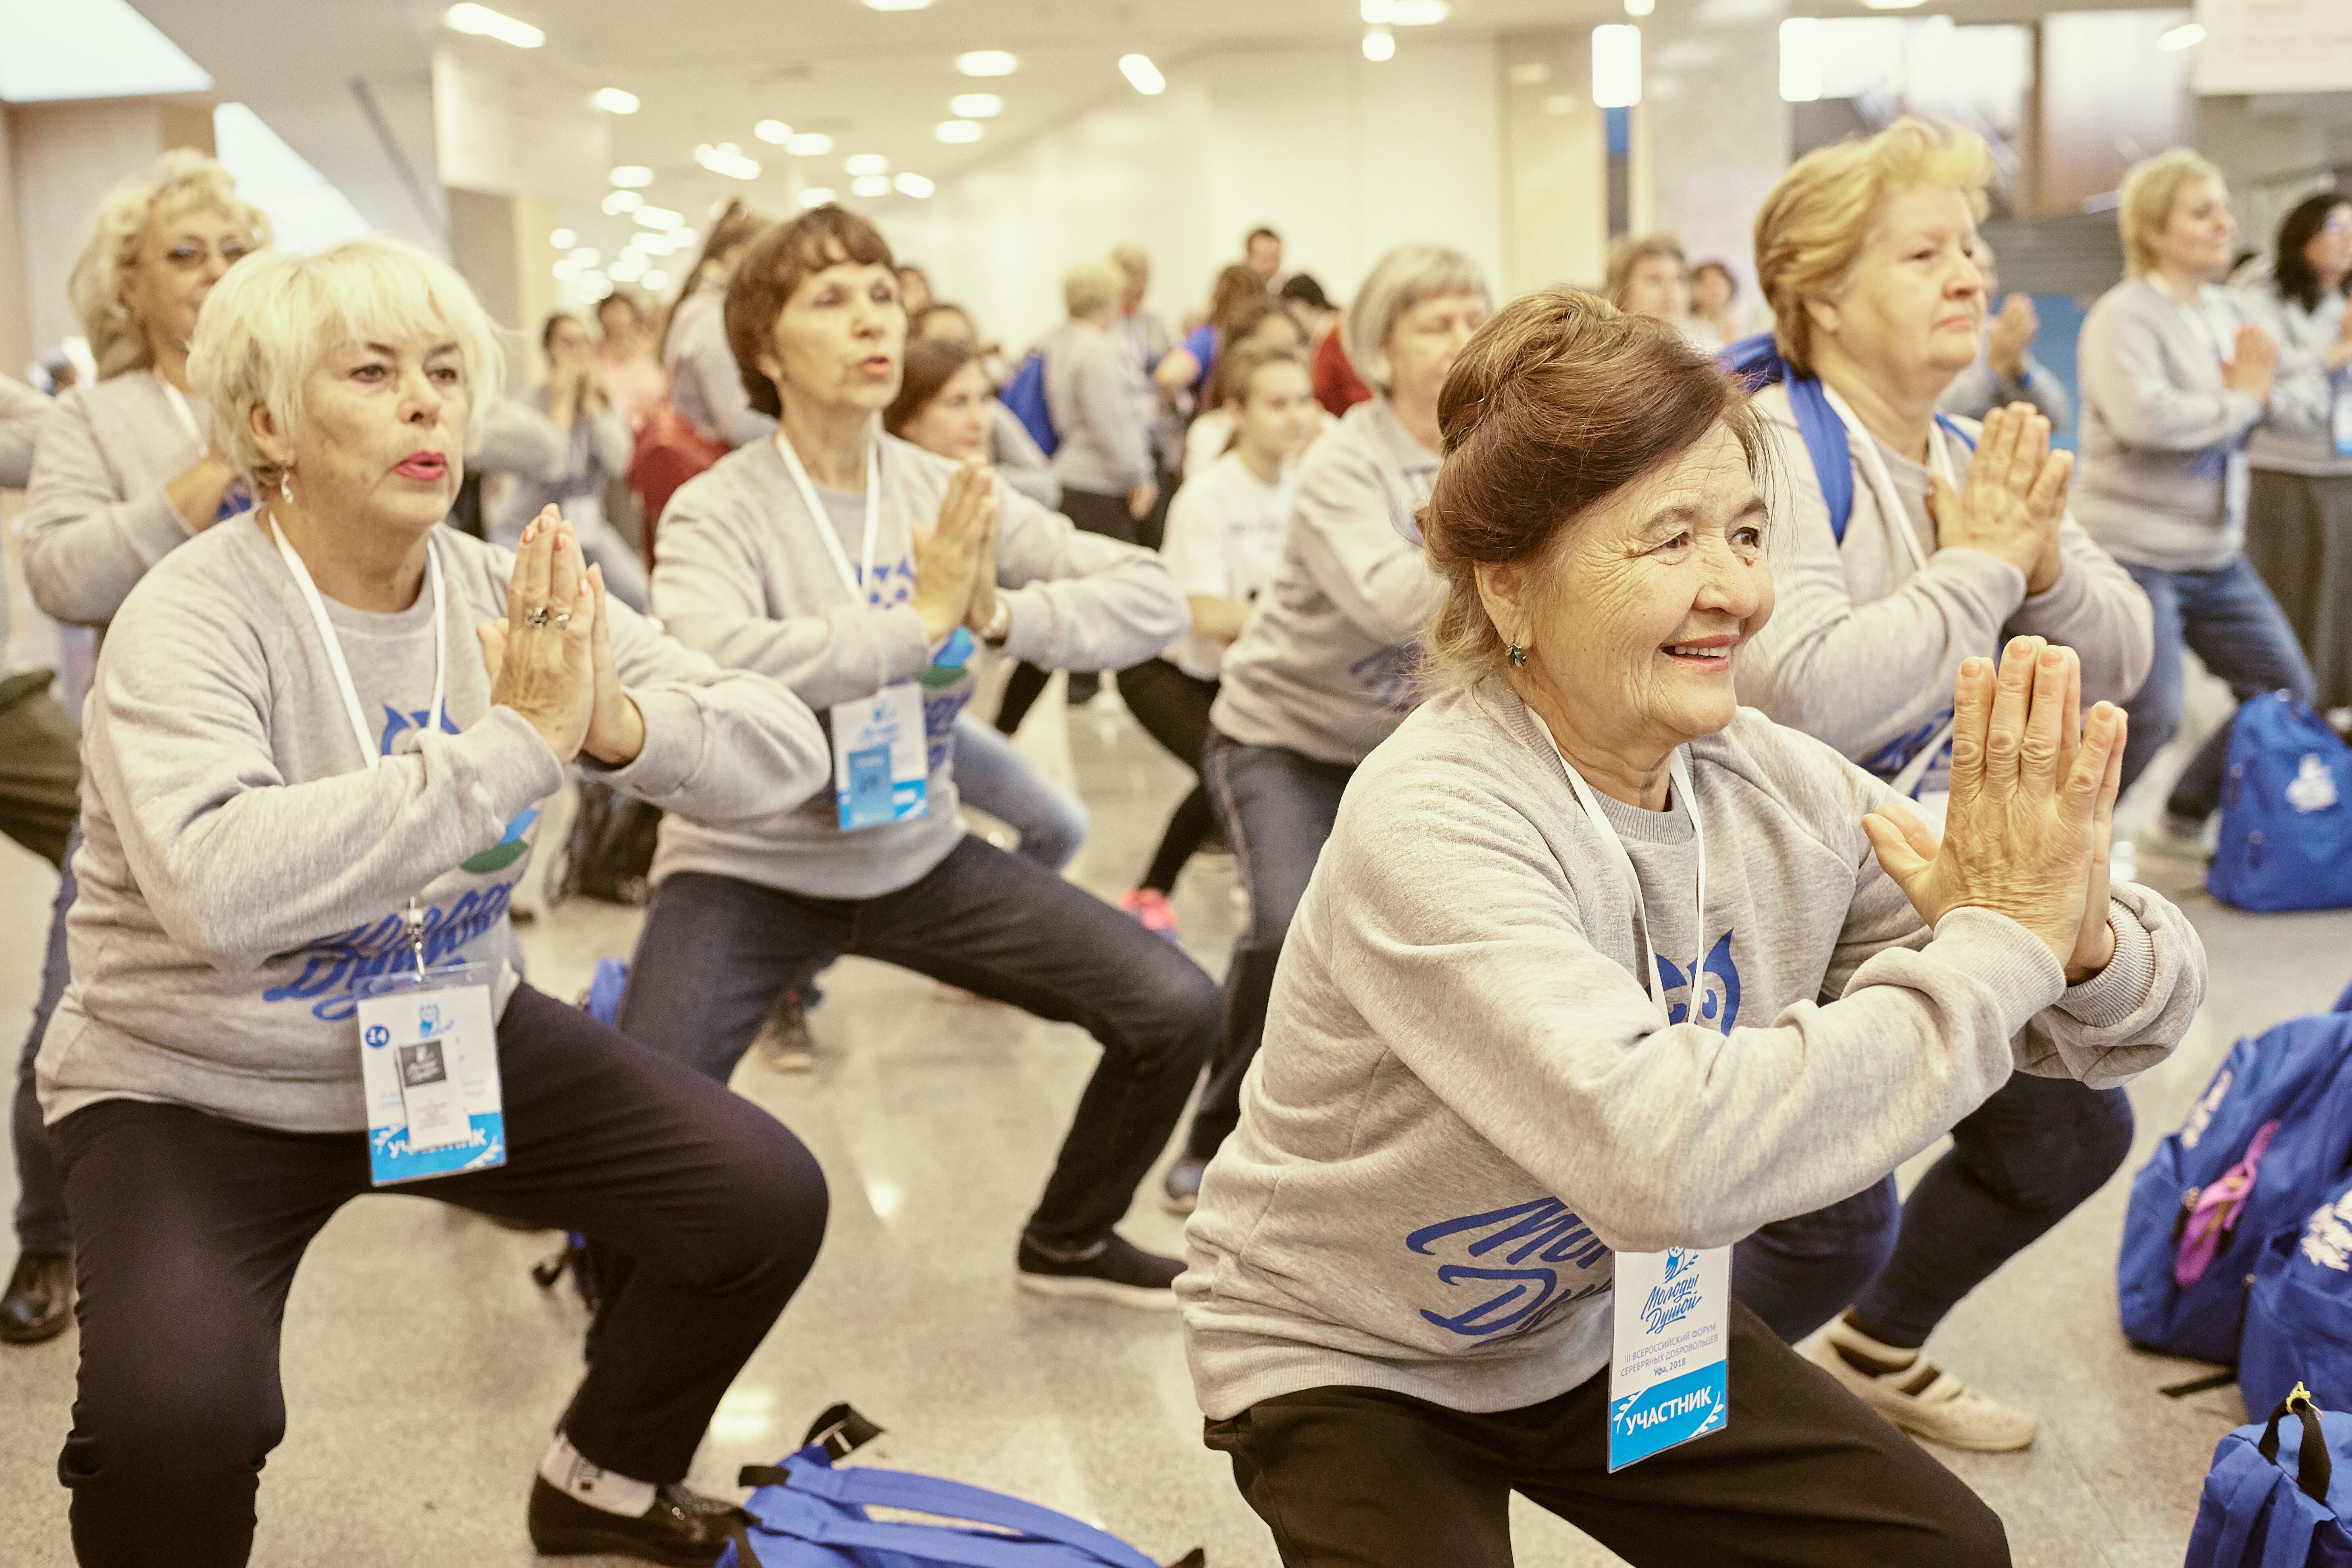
[
  {"x": 1399, "y": 281},
  {"x": 1092, "y": 286},
  {"x": 182, "y": 177}
]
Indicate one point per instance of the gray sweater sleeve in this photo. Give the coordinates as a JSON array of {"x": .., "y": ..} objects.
[
  {"x": 519, "y": 438},
  {"x": 1079, "y": 601},
  {"x": 22, "y": 412},
  {"x": 1106, "y": 407},
  {"x": 712, "y": 364},
  {"x": 2095, "y": 609},
  {"x": 87, "y": 544},
  {"x": 2121, "y": 363},
  {"x": 1345, "y": 530}
]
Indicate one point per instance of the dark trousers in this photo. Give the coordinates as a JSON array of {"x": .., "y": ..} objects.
[
  {"x": 1096, "y": 513},
  {"x": 1801, "y": 1474},
  {"x": 2239, "y": 630},
  {"x": 2299, "y": 536},
  {"x": 42, "y": 1222},
  {"x": 1174, "y": 709},
  {"x": 2019, "y": 1164},
  {"x": 190, "y": 1228},
  {"x": 716, "y": 951},
  {"x": 40, "y": 784},
  {"x": 1276, "y": 807}
]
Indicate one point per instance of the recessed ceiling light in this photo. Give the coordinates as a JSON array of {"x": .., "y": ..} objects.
[
  {"x": 628, "y": 270},
  {"x": 565, "y": 270},
  {"x": 1376, "y": 13},
  {"x": 975, "y": 105},
  {"x": 774, "y": 131},
  {"x": 1419, "y": 12},
  {"x": 866, "y": 163},
  {"x": 1616, "y": 65},
  {"x": 613, "y": 100},
  {"x": 914, "y": 185},
  {"x": 986, "y": 63},
  {"x": 1142, "y": 75},
  {"x": 633, "y": 176},
  {"x": 896, "y": 5},
  {"x": 817, "y": 196},
  {"x": 870, "y": 186},
  {"x": 594, "y": 285},
  {"x": 563, "y": 239},
  {"x": 619, "y": 202},
  {"x": 727, "y": 159},
  {"x": 957, "y": 132},
  {"x": 1380, "y": 45},
  {"x": 659, "y": 218},
  {"x": 586, "y": 256},
  {"x": 1639, "y": 7},
  {"x": 2186, "y": 36},
  {"x": 1893, "y": 5},
  {"x": 656, "y": 281},
  {"x": 484, "y": 23},
  {"x": 809, "y": 144}
]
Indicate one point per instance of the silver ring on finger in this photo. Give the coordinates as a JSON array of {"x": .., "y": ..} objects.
[
  {"x": 563, "y": 620},
  {"x": 536, "y": 618}
]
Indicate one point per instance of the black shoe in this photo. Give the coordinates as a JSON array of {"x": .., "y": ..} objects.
[
  {"x": 682, "y": 1526},
  {"x": 784, "y": 1043},
  {"x": 1116, "y": 1271},
  {"x": 1180, "y": 1189},
  {"x": 39, "y": 1302}
]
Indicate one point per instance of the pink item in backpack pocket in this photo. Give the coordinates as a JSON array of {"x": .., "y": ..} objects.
[{"x": 2209, "y": 1214}]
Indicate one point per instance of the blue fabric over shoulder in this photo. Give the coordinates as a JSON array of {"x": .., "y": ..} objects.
[{"x": 1758, "y": 364}]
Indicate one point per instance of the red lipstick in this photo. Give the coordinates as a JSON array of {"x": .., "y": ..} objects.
[{"x": 429, "y": 466}]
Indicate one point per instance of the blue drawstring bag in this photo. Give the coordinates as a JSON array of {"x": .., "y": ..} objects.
[
  {"x": 2286, "y": 820},
  {"x": 807, "y": 1514},
  {"x": 2299, "y": 1314},
  {"x": 2270, "y": 1136},
  {"x": 1024, "y": 394},
  {"x": 2278, "y": 1498}
]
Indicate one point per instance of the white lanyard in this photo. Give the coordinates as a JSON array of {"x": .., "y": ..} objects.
[
  {"x": 857, "y": 586},
  {"x": 1882, "y": 484},
  {"x": 1654, "y": 979},
  {"x": 187, "y": 415},
  {"x": 358, "y": 716}
]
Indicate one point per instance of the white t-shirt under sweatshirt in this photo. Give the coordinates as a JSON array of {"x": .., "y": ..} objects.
[
  {"x": 1467, "y": 1099},
  {"x": 1224, "y": 541}
]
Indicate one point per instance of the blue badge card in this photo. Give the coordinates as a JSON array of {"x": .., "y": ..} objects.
[
  {"x": 881, "y": 762},
  {"x": 429, "y": 1069},
  {"x": 1668, "y": 1376}
]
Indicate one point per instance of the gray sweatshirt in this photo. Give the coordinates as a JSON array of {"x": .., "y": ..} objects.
[
  {"x": 2299, "y": 436},
  {"x": 744, "y": 577},
  {"x": 2163, "y": 479},
  {"x": 23, "y": 410},
  {"x": 1091, "y": 389},
  {"x": 1979, "y": 390},
  {"x": 1467, "y": 1099},
  {"x": 1863, "y": 651},
  {"x": 704, "y": 381},
  {"x": 1328, "y": 665},
  {"x": 596, "y": 449},
  {"x": 96, "y": 516},
  {"x": 240, "y": 867},
  {"x": 1014, "y": 453}
]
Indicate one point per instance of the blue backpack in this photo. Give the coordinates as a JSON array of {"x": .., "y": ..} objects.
[
  {"x": 2270, "y": 1136},
  {"x": 2278, "y": 1500},
  {"x": 2286, "y": 825},
  {"x": 1024, "y": 394},
  {"x": 2299, "y": 1314},
  {"x": 807, "y": 1514}
]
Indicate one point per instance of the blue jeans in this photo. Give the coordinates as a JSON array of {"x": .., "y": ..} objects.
[
  {"x": 2239, "y": 630},
  {"x": 41, "y": 1222},
  {"x": 1276, "y": 807},
  {"x": 992, "y": 775},
  {"x": 716, "y": 952},
  {"x": 2019, "y": 1164}
]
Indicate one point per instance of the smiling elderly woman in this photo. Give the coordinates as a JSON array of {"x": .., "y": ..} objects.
[
  {"x": 1507, "y": 1041},
  {"x": 303, "y": 776}
]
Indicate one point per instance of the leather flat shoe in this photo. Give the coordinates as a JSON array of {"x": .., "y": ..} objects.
[
  {"x": 39, "y": 1302},
  {"x": 682, "y": 1527}
]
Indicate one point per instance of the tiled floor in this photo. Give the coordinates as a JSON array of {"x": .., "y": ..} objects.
[{"x": 423, "y": 1368}]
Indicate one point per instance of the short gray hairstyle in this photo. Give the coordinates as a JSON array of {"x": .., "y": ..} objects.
[
  {"x": 1092, "y": 285},
  {"x": 273, "y": 316},
  {"x": 182, "y": 177},
  {"x": 1399, "y": 281}
]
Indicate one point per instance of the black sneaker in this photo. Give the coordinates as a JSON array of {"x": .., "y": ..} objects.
[
  {"x": 39, "y": 1302},
  {"x": 1117, "y": 1271},
  {"x": 1180, "y": 1189},
  {"x": 682, "y": 1527},
  {"x": 783, "y": 1042}
]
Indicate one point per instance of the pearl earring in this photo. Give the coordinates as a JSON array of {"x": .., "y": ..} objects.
[{"x": 286, "y": 484}]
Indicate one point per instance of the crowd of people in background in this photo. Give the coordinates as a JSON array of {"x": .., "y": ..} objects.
[{"x": 1456, "y": 609}]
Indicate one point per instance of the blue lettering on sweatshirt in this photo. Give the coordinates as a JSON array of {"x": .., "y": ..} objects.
[{"x": 1518, "y": 1299}]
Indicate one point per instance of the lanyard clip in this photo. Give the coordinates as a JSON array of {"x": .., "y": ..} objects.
[{"x": 414, "y": 919}]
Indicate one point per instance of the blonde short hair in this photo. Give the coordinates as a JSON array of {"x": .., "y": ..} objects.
[
  {"x": 1811, "y": 229},
  {"x": 181, "y": 178},
  {"x": 2144, "y": 204},
  {"x": 1092, "y": 285},
  {"x": 272, "y": 317}
]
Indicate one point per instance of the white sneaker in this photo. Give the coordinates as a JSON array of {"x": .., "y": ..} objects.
[{"x": 1919, "y": 1397}]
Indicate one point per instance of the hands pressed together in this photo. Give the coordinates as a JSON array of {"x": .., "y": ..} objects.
[
  {"x": 2033, "y": 810},
  {"x": 955, "y": 558},
  {"x": 551, "y": 659},
  {"x": 2014, "y": 499}
]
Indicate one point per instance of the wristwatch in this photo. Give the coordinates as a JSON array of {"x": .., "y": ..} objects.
[{"x": 999, "y": 627}]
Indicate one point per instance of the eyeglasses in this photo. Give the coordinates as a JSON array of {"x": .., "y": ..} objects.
[
  {"x": 188, "y": 255},
  {"x": 2336, "y": 226}
]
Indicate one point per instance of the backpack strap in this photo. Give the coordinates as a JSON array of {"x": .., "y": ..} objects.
[
  {"x": 805, "y": 1530},
  {"x": 2314, "y": 1467},
  {"x": 953, "y": 1500},
  {"x": 1758, "y": 364}
]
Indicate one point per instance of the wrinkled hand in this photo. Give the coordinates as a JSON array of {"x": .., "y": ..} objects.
[
  {"x": 983, "y": 609},
  {"x": 2032, "y": 811},
  {"x": 2253, "y": 363},
  {"x": 547, "y": 672},
  {"x": 947, "y": 555},
  {"x": 2015, "y": 495},
  {"x": 2011, "y": 333},
  {"x": 617, "y": 729}
]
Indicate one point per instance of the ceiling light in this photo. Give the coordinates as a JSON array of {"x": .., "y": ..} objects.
[
  {"x": 678, "y": 239},
  {"x": 483, "y": 22},
  {"x": 633, "y": 176},
  {"x": 659, "y": 218},
  {"x": 657, "y": 281},
  {"x": 774, "y": 131},
  {"x": 627, "y": 271},
  {"x": 613, "y": 100},
  {"x": 619, "y": 202},
  {"x": 2186, "y": 36},
  {"x": 1142, "y": 75},
  {"x": 896, "y": 5},
  {"x": 594, "y": 285},
  {"x": 975, "y": 105},
  {"x": 1419, "y": 12},
  {"x": 870, "y": 186},
  {"x": 1379, "y": 44},
  {"x": 817, "y": 196},
  {"x": 986, "y": 63},
  {"x": 1376, "y": 13},
  {"x": 565, "y": 270},
  {"x": 563, "y": 239},
  {"x": 1616, "y": 65},
  {"x": 914, "y": 185},
  {"x": 727, "y": 159},
  {"x": 1639, "y": 7},
  {"x": 1893, "y": 5},
  {"x": 1803, "y": 65},
  {"x": 809, "y": 144},
  {"x": 956, "y": 131},
  {"x": 866, "y": 163},
  {"x": 586, "y": 256}
]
